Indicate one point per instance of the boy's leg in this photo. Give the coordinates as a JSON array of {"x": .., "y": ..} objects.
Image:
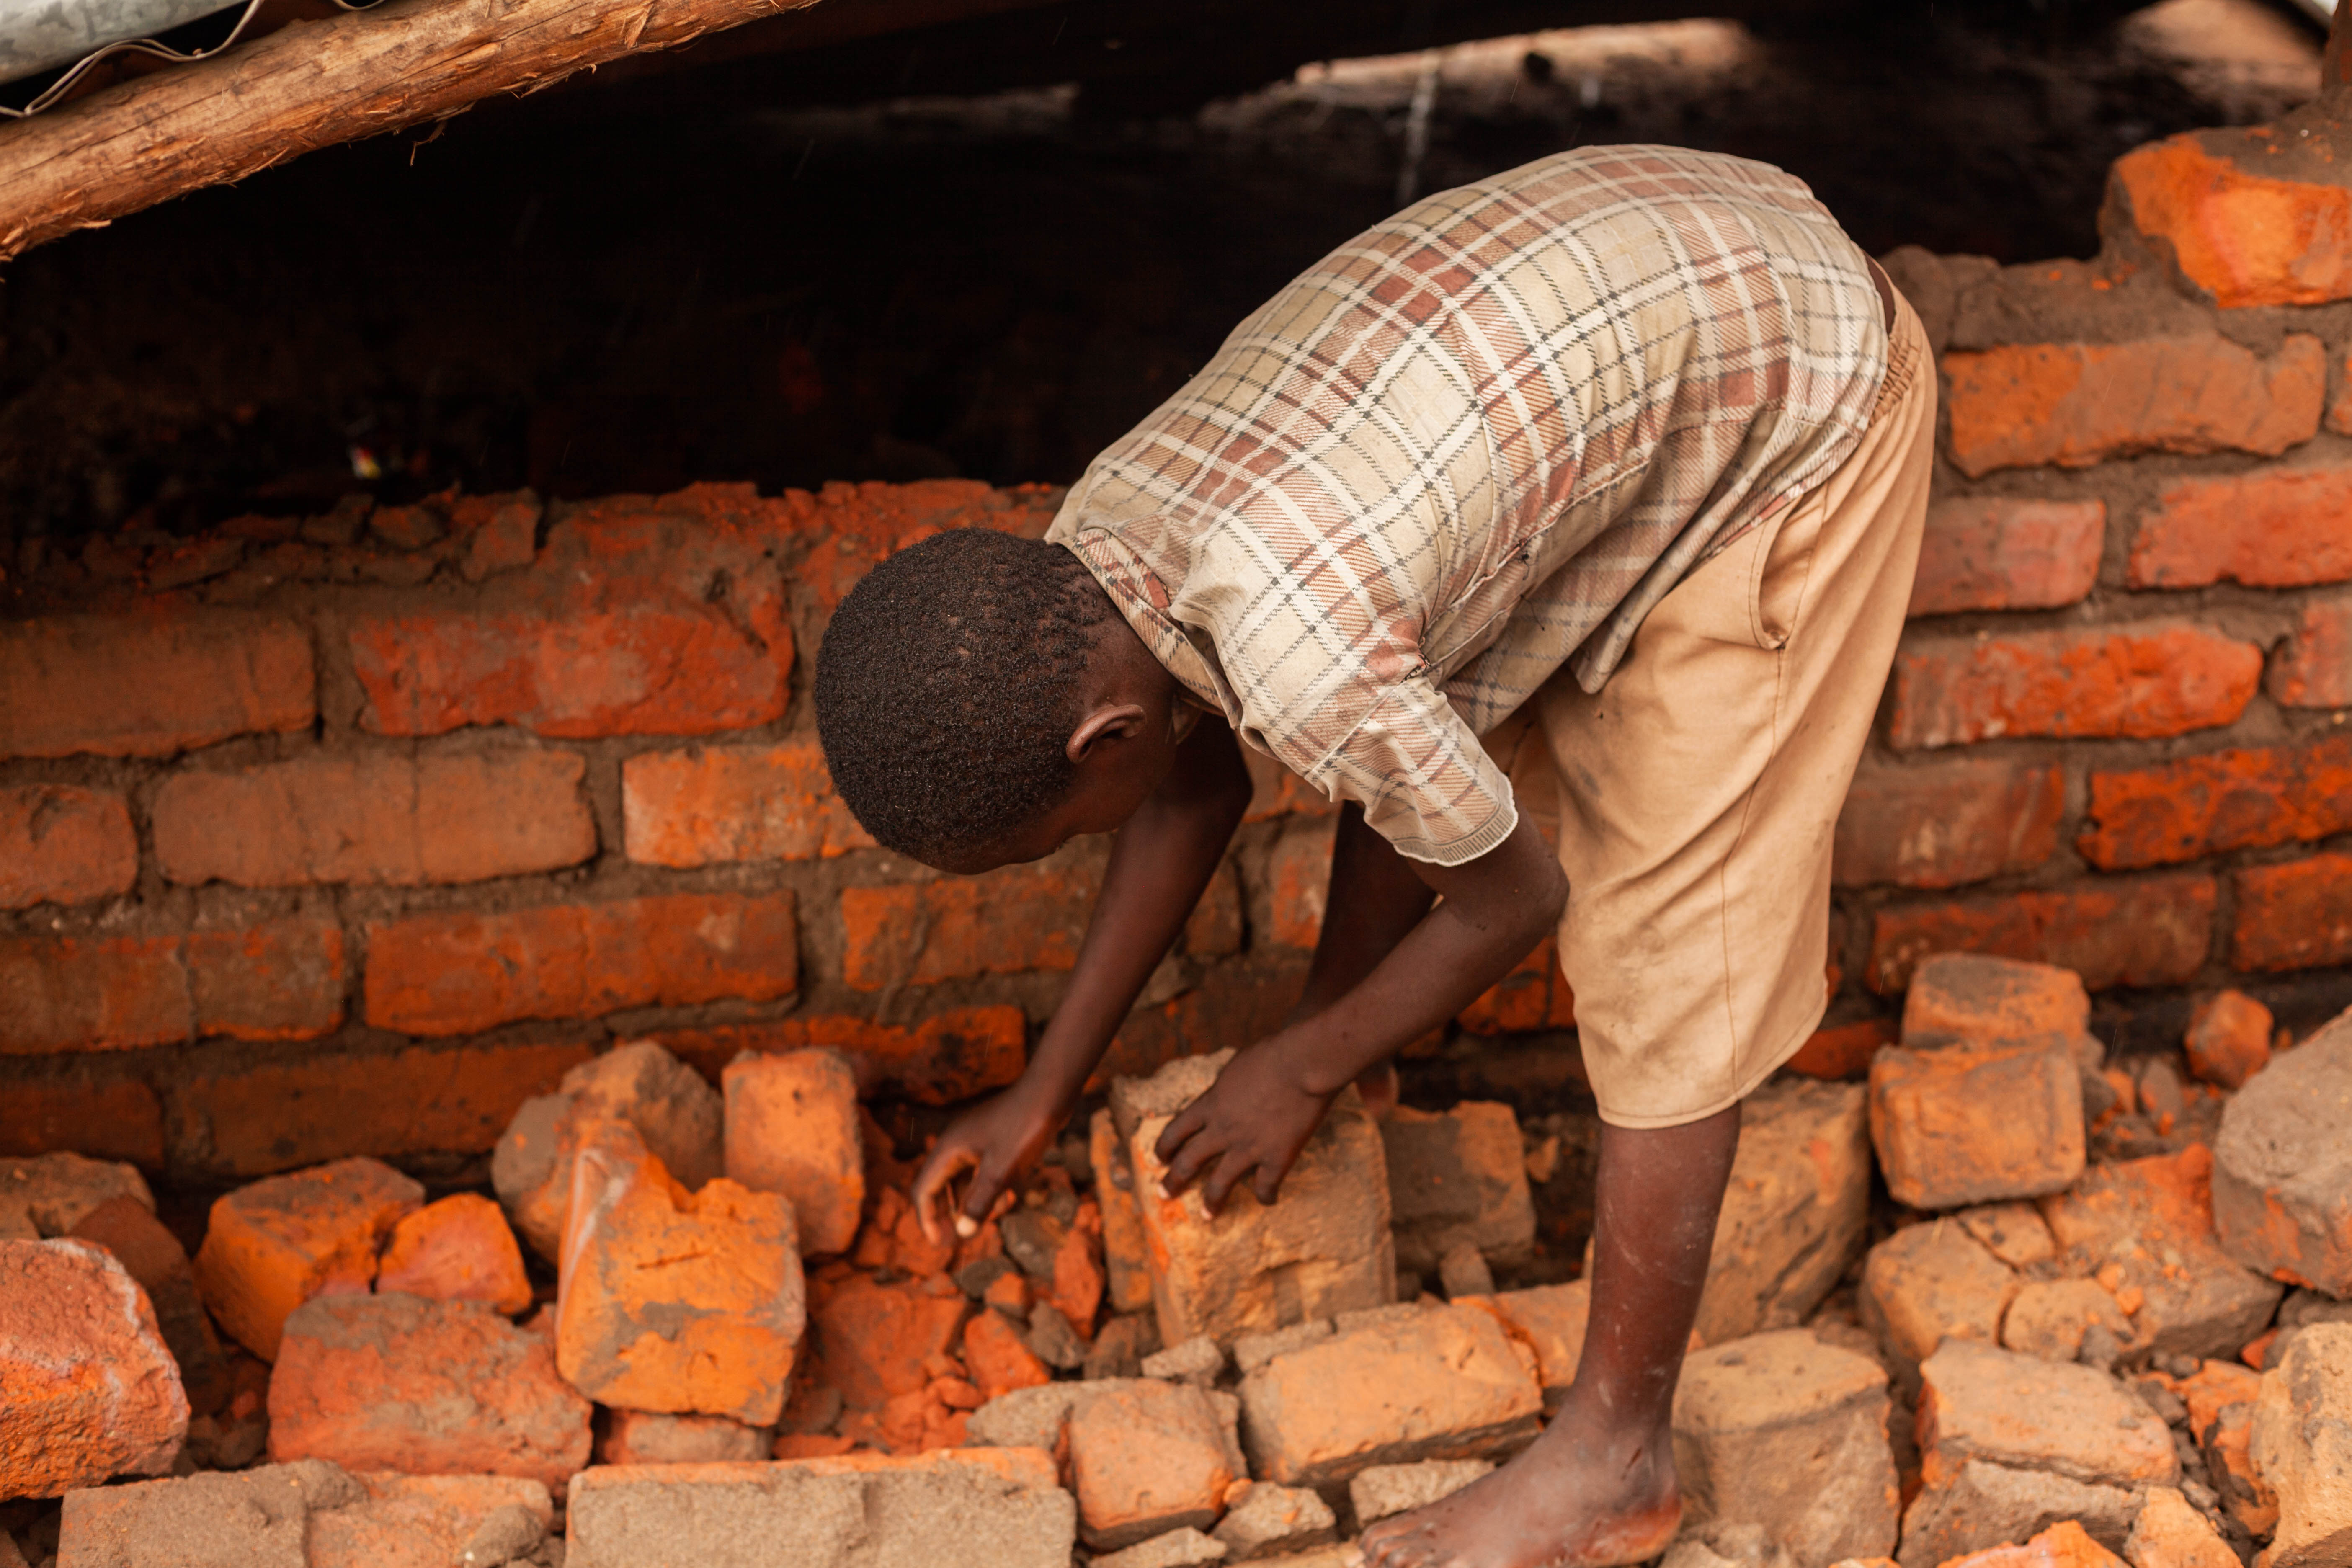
[{"x": 1697, "y": 794}]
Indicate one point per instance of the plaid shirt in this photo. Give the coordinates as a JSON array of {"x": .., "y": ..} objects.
[{"x": 1477, "y": 442}]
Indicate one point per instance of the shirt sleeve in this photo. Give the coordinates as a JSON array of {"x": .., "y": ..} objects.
[{"x": 1424, "y": 781}]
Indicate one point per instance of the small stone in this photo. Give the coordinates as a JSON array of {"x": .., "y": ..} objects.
[
  {"x": 1120, "y": 1345},
  {"x": 2015, "y": 1233},
  {"x": 510, "y": 1533},
  {"x": 1178, "y": 1549},
  {"x": 2228, "y": 1039},
  {"x": 1463, "y": 1272},
  {"x": 1197, "y": 1361},
  {"x": 1270, "y": 1520},
  {"x": 1383, "y": 1491},
  {"x": 999, "y": 1360},
  {"x": 1055, "y": 1342},
  {"x": 88, "y": 1388}
]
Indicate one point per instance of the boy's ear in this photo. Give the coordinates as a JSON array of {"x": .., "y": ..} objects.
[{"x": 1109, "y": 721}]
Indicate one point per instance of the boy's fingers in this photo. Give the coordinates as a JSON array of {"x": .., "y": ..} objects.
[
  {"x": 1196, "y": 1153},
  {"x": 1172, "y": 1136},
  {"x": 1268, "y": 1186},
  {"x": 931, "y": 1184},
  {"x": 1231, "y": 1169}
]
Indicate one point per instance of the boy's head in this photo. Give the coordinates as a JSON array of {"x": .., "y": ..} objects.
[{"x": 980, "y": 701}]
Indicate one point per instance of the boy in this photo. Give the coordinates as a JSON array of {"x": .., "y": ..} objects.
[{"x": 1590, "y": 491}]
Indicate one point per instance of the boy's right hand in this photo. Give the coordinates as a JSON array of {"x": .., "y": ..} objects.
[{"x": 996, "y": 1141}]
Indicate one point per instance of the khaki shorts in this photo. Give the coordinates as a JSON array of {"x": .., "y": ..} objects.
[{"x": 1692, "y": 800}]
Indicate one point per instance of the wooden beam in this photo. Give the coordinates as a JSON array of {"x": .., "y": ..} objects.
[{"x": 312, "y": 84}]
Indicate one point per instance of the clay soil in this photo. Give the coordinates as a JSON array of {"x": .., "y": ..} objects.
[{"x": 588, "y": 297}]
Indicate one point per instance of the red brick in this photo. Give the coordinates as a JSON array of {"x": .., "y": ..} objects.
[
  {"x": 1992, "y": 553},
  {"x": 63, "y": 845},
  {"x": 92, "y": 993},
  {"x": 2294, "y": 916},
  {"x": 458, "y": 1249},
  {"x": 1299, "y": 880},
  {"x": 277, "y": 1116},
  {"x": 150, "y": 686},
  {"x": 503, "y": 532},
  {"x": 1949, "y": 823},
  {"x": 424, "y": 1387},
  {"x": 1533, "y": 995},
  {"x": 153, "y": 1256},
  {"x": 792, "y": 1127},
  {"x": 2023, "y": 404},
  {"x": 857, "y": 526},
  {"x": 874, "y": 1338},
  {"x": 113, "y": 1119},
  {"x": 2313, "y": 666},
  {"x": 1842, "y": 1051},
  {"x": 2222, "y": 801},
  {"x": 2155, "y": 930},
  {"x": 1240, "y": 1001},
  {"x": 919, "y": 934},
  {"x": 1147, "y": 1458},
  {"x": 459, "y": 974},
  {"x": 272, "y": 1246},
  {"x": 953, "y": 1056},
  {"x": 2244, "y": 238},
  {"x": 2147, "y": 679},
  {"x": 87, "y": 1389},
  {"x": 1000, "y": 1359},
  {"x": 2229, "y": 1038},
  {"x": 376, "y": 818},
  {"x": 640, "y": 618},
  {"x": 2275, "y": 527},
  {"x": 1275, "y": 791},
  {"x": 1977, "y": 1123},
  {"x": 1981, "y": 999},
  {"x": 703, "y": 807},
  {"x": 677, "y": 1302},
  {"x": 279, "y": 980}
]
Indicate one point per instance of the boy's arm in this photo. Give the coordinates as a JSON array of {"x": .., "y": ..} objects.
[
  {"x": 1269, "y": 1098},
  {"x": 1161, "y": 861},
  {"x": 1373, "y": 903}
]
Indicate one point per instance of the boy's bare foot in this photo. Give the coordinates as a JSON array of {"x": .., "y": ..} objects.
[{"x": 1572, "y": 1501}]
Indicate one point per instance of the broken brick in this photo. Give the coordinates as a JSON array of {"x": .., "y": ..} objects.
[
  {"x": 274, "y": 1245},
  {"x": 1994, "y": 1405},
  {"x": 1268, "y": 1520},
  {"x": 424, "y": 1387},
  {"x": 2228, "y": 1039},
  {"x": 2048, "y": 1318},
  {"x": 999, "y": 1359},
  {"x": 677, "y": 1114},
  {"x": 1929, "y": 1284},
  {"x": 1127, "y": 1264},
  {"x": 2301, "y": 1448},
  {"x": 1405, "y": 1385},
  {"x": 154, "y": 1258},
  {"x": 1977, "y": 1521},
  {"x": 874, "y": 1338},
  {"x": 792, "y": 1127},
  {"x": 1795, "y": 1210},
  {"x": 458, "y": 1249},
  {"x": 1455, "y": 1176},
  {"x": 58, "y": 1190},
  {"x": 650, "y": 1437},
  {"x": 88, "y": 1388},
  {"x": 673, "y": 1300},
  {"x": 1147, "y": 1458},
  {"x": 2170, "y": 1534},
  {"x": 1742, "y": 1408},
  {"x": 1978, "y": 998},
  {"x": 2245, "y": 237},
  {"x": 1972, "y": 1123},
  {"x": 2282, "y": 1173}
]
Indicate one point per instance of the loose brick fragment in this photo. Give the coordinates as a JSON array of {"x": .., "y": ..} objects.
[
  {"x": 60, "y": 1190},
  {"x": 1976, "y": 1517},
  {"x": 2144, "y": 680},
  {"x": 1384, "y": 1492},
  {"x": 1326, "y": 1248},
  {"x": 1549, "y": 1320},
  {"x": 2048, "y": 1318},
  {"x": 2074, "y": 404},
  {"x": 648, "y": 1437},
  {"x": 679, "y": 1116},
  {"x": 1928, "y": 1284},
  {"x": 2153, "y": 931},
  {"x": 1408, "y": 1385},
  {"x": 1001, "y": 1361},
  {"x": 60, "y": 844},
  {"x": 1973, "y": 1124},
  {"x": 2170, "y": 1534},
  {"x": 875, "y": 1339},
  {"x": 456, "y": 973},
  {"x": 949, "y": 1056},
  {"x": 424, "y": 1387},
  {"x": 2271, "y": 528},
  {"x": 2229, "y": 1038},
  {"x": 88, "y": 1388},
  {"x": 705, "y": 807},
  {"x": 1458, "y": 1176},
  {"x": 395, "y": 819},
  {"x": 2303, "y": 1448},
  {"x": 792, "y": 1128},
  {"x": 1004, "y": 922},
  {"x": 1185, "y": 1547},
  {"x": 2296, "y": 915},
  {"x": 2222, "y": 801},
  {"x": 2246, "y": 237},
  {"x": 1978, "y": 998},
  {"x": 1795, "y": 1210},
  {"x": 153, "y": 1256},
  {"x": 1147, "y": 1458},
  {"x": 458, "y": 1249},
  {"x": 1980, "y": 1403},
  {"x": 1743, "y": 1409},
  {"x": 981, "y": 1506},
  {"x": 2281, "y": 1171},
  {"x": 1994, "y": 553},
  {"x": 1127, "y": 1263},
  {"x": 1947, "y": 823},
  {"x": 673, "y": 1300},
  {"x": 274, "y": 1245},
  {"x": 1271, "y": 1520},
  {"x": 2313, "y": 669},
  {"x": 2151, "y": 1222},
  {"x": 144, "y": 687}
]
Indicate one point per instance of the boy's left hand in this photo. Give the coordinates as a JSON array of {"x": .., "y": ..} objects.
[{"x": 1255, "y": 1117}]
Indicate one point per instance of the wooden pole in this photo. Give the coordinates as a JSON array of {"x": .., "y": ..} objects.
[{"x": 312, "y": 84}]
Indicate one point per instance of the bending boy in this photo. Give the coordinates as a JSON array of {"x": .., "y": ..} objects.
[{"x": 1588, "y": 494}]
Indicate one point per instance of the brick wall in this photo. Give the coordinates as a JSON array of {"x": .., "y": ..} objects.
[{"x": 344, "y": 835}]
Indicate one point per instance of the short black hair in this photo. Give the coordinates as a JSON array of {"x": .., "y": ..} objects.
[{"x": 946, "y": 688}]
